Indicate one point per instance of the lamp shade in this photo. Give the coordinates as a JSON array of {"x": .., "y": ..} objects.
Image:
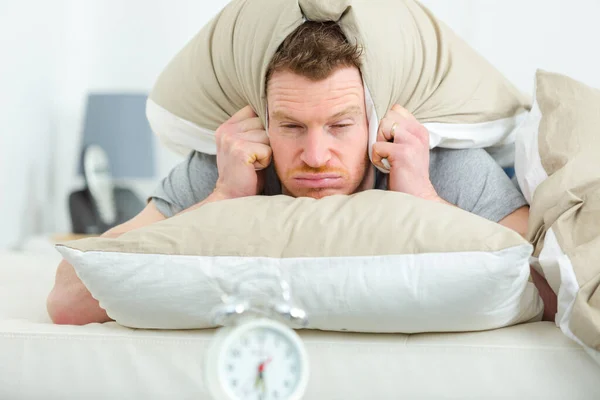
[{"x": 117, "y": 123}]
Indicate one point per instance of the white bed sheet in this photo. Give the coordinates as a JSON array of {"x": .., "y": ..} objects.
[{"x": 39, "y": 360}]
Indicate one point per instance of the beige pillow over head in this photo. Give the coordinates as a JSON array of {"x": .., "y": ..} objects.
[{"x": 410, "y": 58}]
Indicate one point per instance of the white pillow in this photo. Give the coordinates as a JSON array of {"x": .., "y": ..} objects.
[{"x": 376, "y": 261}]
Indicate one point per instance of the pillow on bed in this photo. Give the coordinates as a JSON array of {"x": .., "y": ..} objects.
[
  {"x": 407, "y": 265},
  {"x": 558, "y": 168},
  {"x": 462, "y": 99}
]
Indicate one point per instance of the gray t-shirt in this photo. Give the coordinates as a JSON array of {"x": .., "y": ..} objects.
[{"x": 469, "y": 179}]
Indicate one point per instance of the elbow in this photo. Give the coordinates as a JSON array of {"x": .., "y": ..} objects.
[
  {"x": 518, "y": 221},
  {"x": 70, "y": 303},
  {"x": 59, "y": 310},
  {"x": 65, "y": 309}
]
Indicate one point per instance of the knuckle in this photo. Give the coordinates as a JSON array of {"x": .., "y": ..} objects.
[
  {"x": 398, "y": 108},
  {"x": 230, "y": 139},
  {"x": 262, "y": 136},
  {"x": 219, "y": 133},
  {"x": 421, "y": 132},
  {"x": 225, "y": 143},
  {"x": 244, "y": 125},
  {"x": 402, "y": 125},
  {"x": 264, "y": 151},
  {"x": 222, "y": 132},
  {"x": 237, "y": 149}
]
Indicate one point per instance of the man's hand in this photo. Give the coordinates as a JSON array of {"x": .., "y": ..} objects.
[
  {"x": 243, "y": 152},
  {"x": 405, "y": 143}
]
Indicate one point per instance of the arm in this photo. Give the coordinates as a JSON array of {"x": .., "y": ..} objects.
[
  {"x": 518, "y": 221},
  {"x": 69, "y": 302}
]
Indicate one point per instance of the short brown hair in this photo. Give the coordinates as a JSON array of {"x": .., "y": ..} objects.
[{"x": 314, "y": 50}]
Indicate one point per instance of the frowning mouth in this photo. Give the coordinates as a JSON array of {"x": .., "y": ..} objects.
[{"x": 317, "y": 181}]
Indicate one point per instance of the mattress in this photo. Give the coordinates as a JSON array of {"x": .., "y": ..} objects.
[{"x": 39, "y": 360}]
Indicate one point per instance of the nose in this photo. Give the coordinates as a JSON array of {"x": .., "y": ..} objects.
[{"x": 316, "y": 152}]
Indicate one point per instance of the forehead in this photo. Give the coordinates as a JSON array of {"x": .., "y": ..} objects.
[{"x": 287, "y": 90}]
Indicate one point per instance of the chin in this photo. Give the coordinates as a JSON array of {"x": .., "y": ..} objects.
[{"x": 318, "y": 193}]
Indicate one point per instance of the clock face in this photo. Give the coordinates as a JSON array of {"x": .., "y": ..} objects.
[{"x": 263, "y": 362}]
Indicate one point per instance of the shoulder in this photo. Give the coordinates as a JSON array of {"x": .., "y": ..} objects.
[
  {"x": 451, "y": 169},
  {"x": 441, "y": 158},
  {"x": 472, "y": 180}
]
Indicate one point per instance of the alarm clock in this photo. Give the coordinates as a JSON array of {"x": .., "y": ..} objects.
[{"x": 255, "y": 355}]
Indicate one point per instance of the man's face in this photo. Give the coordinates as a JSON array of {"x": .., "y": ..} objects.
[{"x": 319, "y": 133}]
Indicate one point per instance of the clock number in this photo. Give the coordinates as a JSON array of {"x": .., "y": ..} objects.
[
  {"x": 289, "y": 352},
  {"x": 235, "y": 353}
]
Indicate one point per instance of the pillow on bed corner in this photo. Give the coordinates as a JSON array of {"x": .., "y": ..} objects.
[
  {"x": 404, "y": 265},
  {"x": 558, "y": 167}
]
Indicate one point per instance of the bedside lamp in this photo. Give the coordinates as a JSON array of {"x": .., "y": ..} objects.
[{"x": 118, "y": 145}]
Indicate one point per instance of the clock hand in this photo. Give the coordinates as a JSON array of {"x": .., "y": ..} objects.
[
  {"x": 260, "y": 377},
  {"x": 262, "y": 365}
]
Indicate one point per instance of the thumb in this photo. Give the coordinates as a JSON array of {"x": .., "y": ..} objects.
[
  {"x": 382, "y": 152},
  {"x": 260, "y": 155}
]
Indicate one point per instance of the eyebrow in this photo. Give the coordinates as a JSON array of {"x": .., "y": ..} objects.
[{"x": 352, "y": 110}]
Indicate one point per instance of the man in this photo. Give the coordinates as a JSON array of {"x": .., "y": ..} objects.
[{"x": 316, "y": 146}]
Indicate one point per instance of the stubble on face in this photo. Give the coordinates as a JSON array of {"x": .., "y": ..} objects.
[
  {"x": 310, "y": 106},
  {"x": 364, "y": 170}
]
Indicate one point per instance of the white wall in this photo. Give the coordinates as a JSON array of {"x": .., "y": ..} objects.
[
  {"x": 520, "y": 36},
  {"x": 28, "y": 42},
  {"x": 53, "y": 53}
]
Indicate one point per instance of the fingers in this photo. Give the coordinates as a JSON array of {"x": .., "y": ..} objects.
[
  {"x": 394, "y": 130},
  {"x": 252, "y": 147},
  {"x": 259, "y": 155},
  {"x": 385, "y": 134},
  {"x": 382, "y": 150},
  {"x": 256, "y": 136},
  {"x": 228, "y": 136},
  {"x": 400, "y": 126},
  {"x": 245, "y": 113},
  {"x": 397, "y": 108},
  {"x": 249, "y": 124},
  {"x": 235, "y": 142}
]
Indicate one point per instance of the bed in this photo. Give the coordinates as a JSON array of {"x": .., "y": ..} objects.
[{"x": 40, "y": 360}]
